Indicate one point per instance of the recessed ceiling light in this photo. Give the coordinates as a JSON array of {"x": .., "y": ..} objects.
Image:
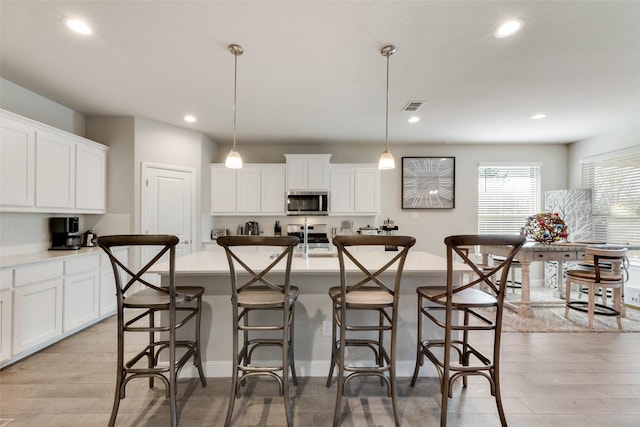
[
  {"x": 509, "y": 28},
  {"x": 538, "y": 116},
  {"x": 78, "y": 25},
  {"x": 414, "y": 119},
  {"x": 189, "y": 118}
]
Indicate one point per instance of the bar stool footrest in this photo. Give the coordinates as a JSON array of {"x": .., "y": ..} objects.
[{"x": 600, "y": 309}]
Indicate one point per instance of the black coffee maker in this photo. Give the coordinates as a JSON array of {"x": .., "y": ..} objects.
[{"x": 63, "y": 233}]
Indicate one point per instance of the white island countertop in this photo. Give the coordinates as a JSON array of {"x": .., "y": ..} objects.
[{"x": 213, "y": 263}]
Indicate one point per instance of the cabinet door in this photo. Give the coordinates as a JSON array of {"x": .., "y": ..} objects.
[
  {"x": 107, "y": 294},
  {"x": 55, "y": 163},
  {"x": 367, "y": 190},
  {"x": 248, "y": 189},
  {"x": 37, "y": 314},
  {"x": 80, "y": 305},
  {"x": 342, "y": 188},
  {"x": 91, "y": 165},
  {"x": 273, "y": 189},
  {"x": 297, "y": 174},
  {"x": 318, "y": 173},
  {"x": 17, "y": 163},
  {"x": 223, "y": 189},
  {"x": 5, "y": 324}
]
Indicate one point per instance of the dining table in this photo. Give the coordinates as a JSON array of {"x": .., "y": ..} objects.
[{"x": 558, "y": 252}]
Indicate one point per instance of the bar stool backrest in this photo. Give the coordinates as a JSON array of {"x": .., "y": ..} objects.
[
  {"x": 607, "y": 262},
  {"x": 371, "y": 275},
  {"x": 125, "y": 278},
  {"x": 458, "y": 250},
  {"x": 258, "y": 275}
]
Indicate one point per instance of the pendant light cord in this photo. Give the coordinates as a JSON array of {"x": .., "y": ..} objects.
[
  {"x": 235, "y": 96},
  {"x": 386, "y": 131}
]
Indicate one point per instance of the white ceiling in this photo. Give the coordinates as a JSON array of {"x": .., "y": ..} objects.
[{"x": 312, "y": 70}]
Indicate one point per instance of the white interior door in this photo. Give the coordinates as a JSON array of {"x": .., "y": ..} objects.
[{"x": 169, "y": 203}]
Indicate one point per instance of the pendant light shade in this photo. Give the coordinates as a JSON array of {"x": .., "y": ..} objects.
[
  {"x": 234, "y": 161},
  {"x": 386, "y": 159}
]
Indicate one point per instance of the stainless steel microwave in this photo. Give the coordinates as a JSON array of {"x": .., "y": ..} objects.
[{"x": 312, "y": 203}]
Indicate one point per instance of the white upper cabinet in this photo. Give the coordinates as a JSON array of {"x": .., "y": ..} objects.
[
  {"x": 48, "y": 170},
  {"x": 91, "y": 174},
  {"x": 223, "y": 190},
  {"x": 255, "y": 189},
  {"x": 308, "y": 171},
  {"x": 55, "y": 177},
  {"x": 272, "y": 194},
  {"x": 355, "y": 189},
  {"x": 248, "y": 189},
  {"x": 342, "y": 188},
  {"x": 17, "y": 163}
]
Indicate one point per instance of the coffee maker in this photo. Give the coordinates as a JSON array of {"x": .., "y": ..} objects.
[{"x": 63, "y": 233}]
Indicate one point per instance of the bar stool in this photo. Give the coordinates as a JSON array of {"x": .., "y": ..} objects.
[
  {"x": 484, "y": 307},
  {"x": 606, "y": 269},
  {"x": 256, "y": 293},
  {"x": 365, "y": 294},
  {"x": 137, "y": 313}
]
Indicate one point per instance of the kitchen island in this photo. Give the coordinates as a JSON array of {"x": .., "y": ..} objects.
[{"x": 314, "y": 276}]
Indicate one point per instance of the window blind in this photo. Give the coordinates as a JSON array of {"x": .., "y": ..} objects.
[
  {"x": 615, "y": 185},
  {"x": 507, "y": 195}
]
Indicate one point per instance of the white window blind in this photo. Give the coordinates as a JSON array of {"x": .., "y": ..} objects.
[
  {"x": 507, "y": 195},
  {"x": 615, "y": 185}
]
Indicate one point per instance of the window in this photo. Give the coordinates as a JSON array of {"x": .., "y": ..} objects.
[
  {"x": 507, "y": 195},
  {"x": 614, "y": 180}
]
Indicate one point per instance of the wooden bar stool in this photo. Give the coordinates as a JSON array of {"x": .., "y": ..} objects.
[
  {"x": 254, "y": 292},
  {"x": 603, "y": 269},
  {"x": 363, "y": 292},
  {"x": 481, "y": 310},
  {"x": 137, "y": 310}
]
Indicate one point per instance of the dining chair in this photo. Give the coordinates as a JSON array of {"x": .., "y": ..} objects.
[
  {"x": 602, "y": 269},
  {"x": 364, "y": 308},
  {"x": 158, "y": 311},
  {"x": 258, "y": 288},
  {"x": 479, "y": 309}
]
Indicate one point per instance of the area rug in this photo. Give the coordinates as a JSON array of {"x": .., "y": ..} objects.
[{"x": 551, "y": 319}]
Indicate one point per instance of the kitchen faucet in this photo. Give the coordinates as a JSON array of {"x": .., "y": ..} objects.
[{"x": 305, "y": 241}]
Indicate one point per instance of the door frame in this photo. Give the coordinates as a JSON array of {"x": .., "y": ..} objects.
[{"x": 145, "y": 166}]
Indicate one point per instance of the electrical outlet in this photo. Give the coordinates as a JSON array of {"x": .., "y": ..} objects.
[
  {"x": 326, "y": 328},
  {"x": 414, "y": 215}
]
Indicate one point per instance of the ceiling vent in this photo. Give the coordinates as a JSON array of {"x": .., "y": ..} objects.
[{"x": 413, "y": 106}]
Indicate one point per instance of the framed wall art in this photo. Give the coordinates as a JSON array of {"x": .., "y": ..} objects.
[{"x": 428, "y": 182}]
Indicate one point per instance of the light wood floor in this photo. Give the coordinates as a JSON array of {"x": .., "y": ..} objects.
[{"x": 559, "y": 380}]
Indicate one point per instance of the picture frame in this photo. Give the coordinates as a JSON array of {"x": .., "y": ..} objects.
[{"x": 428, "y": 182}]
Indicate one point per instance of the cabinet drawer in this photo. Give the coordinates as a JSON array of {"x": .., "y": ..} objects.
[
  {"x": 555, "y": 256},
  {"x": 38, "y": 272},
  {"x": 81, "y": 263},
  {"x": 6, "y": 278}
]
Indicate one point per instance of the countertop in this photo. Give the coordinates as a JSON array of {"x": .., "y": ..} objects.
[
  {"x": 213, "y": 263},
  {"x": 34, "y": 257}
]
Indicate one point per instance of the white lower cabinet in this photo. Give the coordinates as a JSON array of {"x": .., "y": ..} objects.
[
  {"x": 37, "y": 314},
  {"x": 6, "y": 311},
  {"x": 43, "y": 302},
  {"x": 81, "y": 290},
  {"x": 80, "y": 300}
]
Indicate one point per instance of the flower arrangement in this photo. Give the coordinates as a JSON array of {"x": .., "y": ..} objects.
[{"x": 546, "y": 228}]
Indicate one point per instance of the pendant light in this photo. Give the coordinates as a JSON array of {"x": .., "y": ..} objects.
[
  {"x": 234, "y": 161},
  {"x": 386, "y": 159}
]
